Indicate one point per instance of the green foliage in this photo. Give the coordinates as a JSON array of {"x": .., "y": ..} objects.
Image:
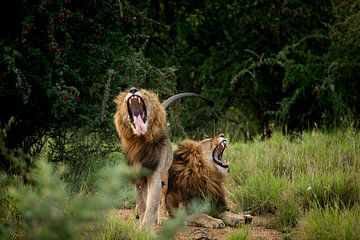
[
  {"x": 170, "y": 228},
  {"x": 292, "y": 63},
  {"x": 63, "y": 67},
  {"x": 45, "y": 209},
  {"x": 84, "y": 154}
]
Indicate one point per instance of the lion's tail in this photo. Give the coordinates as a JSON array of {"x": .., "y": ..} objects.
[{"x": 171, "y": 99}]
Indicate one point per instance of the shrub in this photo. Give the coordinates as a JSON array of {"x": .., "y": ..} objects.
[{"x": 46, "y": 210}]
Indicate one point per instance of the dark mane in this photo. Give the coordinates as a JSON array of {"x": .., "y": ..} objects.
[{"x": 146, "y": 153}]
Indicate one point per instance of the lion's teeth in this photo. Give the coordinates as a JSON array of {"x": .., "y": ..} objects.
[{"x": 139, "y": 100}]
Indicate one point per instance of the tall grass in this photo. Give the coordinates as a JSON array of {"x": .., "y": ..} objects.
[
  {"x": 330, "y": 223},
  {"x": 288, "y": 178}
]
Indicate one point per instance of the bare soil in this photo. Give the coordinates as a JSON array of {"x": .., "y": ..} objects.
[{"x": 260, "y": 229}]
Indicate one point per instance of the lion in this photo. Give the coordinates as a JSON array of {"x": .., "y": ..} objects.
[
  {"x": 198, "y": 172},
  {"x": 140, "y": 121}
]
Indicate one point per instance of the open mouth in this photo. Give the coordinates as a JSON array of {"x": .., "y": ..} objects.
[
  {"x": 137, "y": 112},
  {"x": 217, "y": 154}
]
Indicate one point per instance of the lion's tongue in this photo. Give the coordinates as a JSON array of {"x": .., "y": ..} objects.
[{"x": 139, "y": 124}]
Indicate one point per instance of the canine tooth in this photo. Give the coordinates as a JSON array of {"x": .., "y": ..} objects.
[{"x": 139, "y": 100}]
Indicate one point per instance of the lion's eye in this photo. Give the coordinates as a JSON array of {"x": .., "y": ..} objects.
[{"x": 222, "y": 135}]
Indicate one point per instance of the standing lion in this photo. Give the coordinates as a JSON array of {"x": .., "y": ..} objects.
[
  {"x": 198, "y": 172},
  {"x": 140, "y": 122}
]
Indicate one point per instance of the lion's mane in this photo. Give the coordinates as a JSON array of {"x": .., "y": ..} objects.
[
  {"x": 142, "y": 150},
  {"x": 192, "y": 176}
]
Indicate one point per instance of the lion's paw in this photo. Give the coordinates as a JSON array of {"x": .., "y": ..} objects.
[
  {"x": 216, "y": 224},
  {"x": 236, "y": 220}
]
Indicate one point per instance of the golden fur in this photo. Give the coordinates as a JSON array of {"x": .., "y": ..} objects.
[
  {"x": 140, "y": 122},
  {"x": 198, "y": 172}
]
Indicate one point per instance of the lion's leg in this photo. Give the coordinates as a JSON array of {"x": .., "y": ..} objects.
[
  {"x": 204, "y": 220},
  {"x": 163, "y": 213},
  {"x": 235, "y": 220},
  {"x": 168, "y": 158},
  {"x": 152, "y": 200},
  {"x": 141, "y": 192}
]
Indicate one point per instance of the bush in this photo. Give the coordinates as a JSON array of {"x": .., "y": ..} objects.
[
  {"x": 45, "y": 209},
  {"x": 63, "y": 68}
]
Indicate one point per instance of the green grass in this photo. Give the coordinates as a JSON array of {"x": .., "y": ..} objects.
[
  {"x": 239, "y": 234},
  {"x": 291, "y": 179},
  {"x": 310, "y": 185},
  {"x": 118, "y": 229},
  {"x": 330, "y": 223}
]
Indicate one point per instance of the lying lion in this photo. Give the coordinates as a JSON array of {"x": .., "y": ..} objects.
[{"x": 198, "y": 172}]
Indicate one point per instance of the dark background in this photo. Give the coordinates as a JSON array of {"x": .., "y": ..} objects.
[{"x": 290, "y": 64}]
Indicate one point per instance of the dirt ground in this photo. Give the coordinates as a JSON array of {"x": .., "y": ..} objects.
[{"x": 259, "y": 229}]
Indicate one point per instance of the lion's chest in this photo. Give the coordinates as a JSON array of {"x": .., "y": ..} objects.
[{"x": 146, "y": 154}]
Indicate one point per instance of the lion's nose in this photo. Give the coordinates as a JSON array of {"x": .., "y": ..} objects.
[{"x": 133, "y": 90}]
